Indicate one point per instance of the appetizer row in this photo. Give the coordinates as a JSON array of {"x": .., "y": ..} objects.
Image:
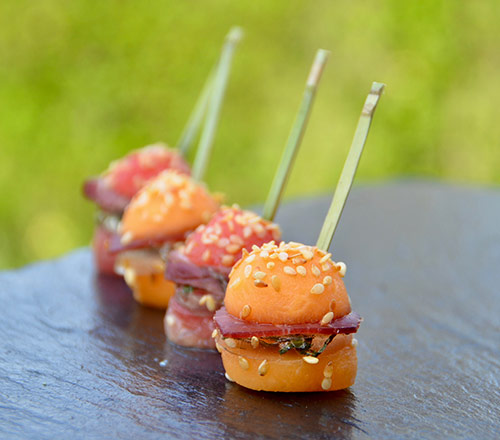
[{"x": 278, "y": 312}]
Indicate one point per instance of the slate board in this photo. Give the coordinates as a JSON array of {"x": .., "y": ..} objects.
[{"x": 79, "y": 359}]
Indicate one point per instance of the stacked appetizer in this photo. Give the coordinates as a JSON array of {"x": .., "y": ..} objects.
[
  {"x": 158, "y": 217},
  {"x": 287, "y": 322},
  {"x": 113, "y": 190},
  {"x": 201, "y": 267}
]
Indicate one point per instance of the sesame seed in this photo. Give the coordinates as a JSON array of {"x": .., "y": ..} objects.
[
  {"x": 354, "y": 342},
  {"x": 259, "y": 283},
  {"x": 206, "y": 255},
  {"x": 301, "y": 270},
  {"x": 248, "y": 270},
  {"x": 170, "y": 320},
  {"x": 218, "y": 347},
  {"x": 264, "y": 254},
  {"x": 325, "y": 258},
  {"x": 233, "y": 248},
  {"x": 227, "y": 260},
  {"x": 255, "y": 247},
  {"x": 273, "y": 256},
  {"x": 263, "y": 368},
  {"x": 342, "y": 268},
  {"x": 245, "y": 311},
  {"x": 243, "y": 363},
  {"x": 318, "y": 288},
  {"x": 223, "y": 242},
  {"x": 228, "y": 377},
  {"x": 298, "y": 260},
  {"x": 327, "y": 318},
  {"x": 307, "y": 254},
  {"x": 328, "y": 371},
  {"x": 208, "y": 301},
  {"x": 325, "y": 267},
  {"x": 315, "y": 270},
  {"x": 289, "y": 270},
  {"x": 326, "y": 383},
  {"x": 310, "y": 359},
  {"x": 250, "y": 258},
  {"x": 270, "y": 265},
  {"x": 129, "y": 276},
  {"x": 276, "y": 283},
  {"x": 236, "y": 283},
  {"x": 236, "y": 239},
  {"x": 230, "y": 342},
  {"x": 190, "y": 247},
  {"x": 254, "y": 341},
  {"x": 214, "y": 333},
  {"x": 259, "y": 275},
  {"x": 327, "y": 280},
  {"x": 283, "y": 256},
  {"x": 247, "y": 231},
  {"x": 126, "y": 238}
]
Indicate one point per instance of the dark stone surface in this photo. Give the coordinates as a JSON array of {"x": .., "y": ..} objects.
[{"x": 79, "y": 359}]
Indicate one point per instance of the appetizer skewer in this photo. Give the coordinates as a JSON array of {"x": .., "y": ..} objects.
[
  {"x": 201, "y": 267},
  {"x": 170, "y": 206},
  {"x": 287, "y": 324},
  {"x": 114, "y": 189}
]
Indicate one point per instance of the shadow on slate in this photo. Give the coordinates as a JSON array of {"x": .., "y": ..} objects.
[{"x": 80, "y": 359}]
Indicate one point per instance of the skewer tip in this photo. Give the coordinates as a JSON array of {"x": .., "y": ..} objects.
[
  {"x": 372, "y": 99},
  {"x": 235, "y": 34},
  {"x": 317, "y": 67}
]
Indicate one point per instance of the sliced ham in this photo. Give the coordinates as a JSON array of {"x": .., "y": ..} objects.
[
  {"x": 99, "y": 191},
  {"x": 181, "y": 270},
  {"x": 231, "y": 326},
  {"x": 117, "y": 246},
  {"x": 189, "y": 328}
]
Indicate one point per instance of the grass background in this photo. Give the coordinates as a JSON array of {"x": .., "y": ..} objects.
[{"x": 82, "y": 83}]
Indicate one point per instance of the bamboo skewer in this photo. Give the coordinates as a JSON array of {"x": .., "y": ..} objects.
[
  {"x": 193, "y": 124},
  {"x": 295, "y": 137},
  {"x": 215, "y": 103},
  {"x": 350, "y": 166}
]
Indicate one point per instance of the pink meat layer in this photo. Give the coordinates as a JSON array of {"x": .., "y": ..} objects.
[{"x": 233, "y": 327}]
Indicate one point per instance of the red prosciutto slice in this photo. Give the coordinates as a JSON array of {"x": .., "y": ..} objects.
[
  {"x": 100, "y": 192},
  {"x": 233, "y": 327},
  {"x": 182, "y": 270},
  {"x": 189, "y": 327},
  {"x": 113, "y": 190},
  {"x": 104, "y": 259}
]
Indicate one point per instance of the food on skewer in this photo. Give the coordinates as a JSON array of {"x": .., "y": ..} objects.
[
  {"x": 114, "y": 189},
  {"x": 201, "y": 268},
  {"x": 287, "y": 323},
  {"x": 158, "y": 217}
]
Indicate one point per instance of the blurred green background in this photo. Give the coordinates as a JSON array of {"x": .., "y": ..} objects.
[{"x": 82, "y": 83}]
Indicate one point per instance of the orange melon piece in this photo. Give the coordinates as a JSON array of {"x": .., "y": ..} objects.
[
  {"x": 144, "y": 272},
  {"x": 287, "y": 284},
  {"x": 264, "y": 369},
  {"x": 168, "y": 206}
]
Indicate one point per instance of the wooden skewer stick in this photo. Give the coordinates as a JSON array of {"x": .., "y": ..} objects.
[
  {"x": 215, "y": 103},
  {"x": 295, "y": 137},
  {"x": 350, "y": 166}
]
